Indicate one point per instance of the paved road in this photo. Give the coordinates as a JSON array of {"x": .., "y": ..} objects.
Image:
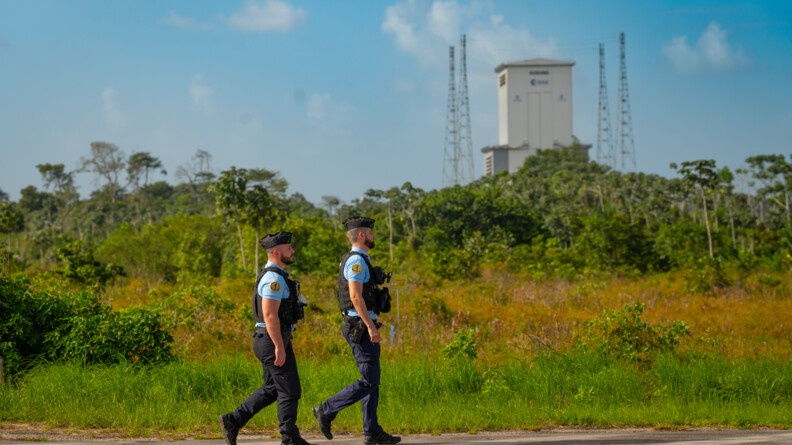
[{"x": 552, "y": 437}]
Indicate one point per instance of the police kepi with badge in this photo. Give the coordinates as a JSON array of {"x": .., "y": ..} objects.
[
  {"x": 361, "y": 300},
  {"x": 277, "y": 306}
]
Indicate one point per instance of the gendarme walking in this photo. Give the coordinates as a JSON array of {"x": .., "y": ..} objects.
[
  {"x": 361, "y": 301},
  {"x": 276, "y": 308}
]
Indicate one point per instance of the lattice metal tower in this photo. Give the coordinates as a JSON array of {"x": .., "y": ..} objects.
[
  {"x": 458, "y": 152},
  {"x": 450, "y": 164},
  {"x": 604, "y": 134},
  {"x": 465, "y": 144},
  {"x": 626, "y": 147}
]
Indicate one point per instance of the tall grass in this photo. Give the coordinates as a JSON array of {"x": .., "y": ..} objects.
[
  {"x": 734, "y": 369},
  {"x": 509, "y": 313},
  {"x": 427, "y": 395}
]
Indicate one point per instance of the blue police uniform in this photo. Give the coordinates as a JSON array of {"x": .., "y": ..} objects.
[
  {"x": 268, "y": 291},
  {"x": 360, "y": 274},
  {"x": 281, "y": 383},
  {"x": 366, "y": 353}
]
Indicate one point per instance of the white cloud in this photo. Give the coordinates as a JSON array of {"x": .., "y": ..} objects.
[
  {"x": 426, "y": 33},
  {"x": 711, "y": 53},
  {"x": 397, "y": 21},
  {"x": 113, "y": 116},
  {"x": 496, "y": 42},
  {"x": 322, "y": 107},
  {"x": 443, "y": 19},
  {"x": 182, "y": 22},
  {"x": 201, "y": 95},
  {"x": 271, "y": 15}
]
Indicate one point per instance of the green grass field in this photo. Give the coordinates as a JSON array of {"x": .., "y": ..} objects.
[
  {"x": 417, "y": 396},
  {"x": 500, "y": 353}
]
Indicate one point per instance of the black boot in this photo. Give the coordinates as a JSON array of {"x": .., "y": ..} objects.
[
  {"x": 288, "y": 439},
  {"x": 381, "y": 438},
  {"x": 323, "y": 420},
  {"x": 229, "y": 428}
]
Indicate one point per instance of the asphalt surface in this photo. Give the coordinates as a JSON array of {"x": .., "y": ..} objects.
[{"x": 550, "y": 437}]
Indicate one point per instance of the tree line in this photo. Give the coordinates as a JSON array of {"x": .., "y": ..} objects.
[{"x": 559, "y": 215}]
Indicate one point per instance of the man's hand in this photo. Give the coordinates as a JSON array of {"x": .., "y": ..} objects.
[
  {"x": 280, "y": 356},
  {"x": 374, "y": 334}
]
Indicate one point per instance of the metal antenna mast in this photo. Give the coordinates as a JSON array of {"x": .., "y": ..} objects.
[
  {"x": 465, "y": 145},
  {"x": 451, "y": 149},
  {"x": 626, "y": 145},
  {"x": 458, "y": 153},
  {"x": 604, "y": 136}
]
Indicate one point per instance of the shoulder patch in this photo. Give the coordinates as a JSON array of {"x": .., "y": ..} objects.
[
  {"x": 274, "y": 286},
  {"x": 356, "y": 268}
]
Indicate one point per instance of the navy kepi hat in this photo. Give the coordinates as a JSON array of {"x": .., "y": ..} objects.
[
  {"x": 276, "y": 239},
  {"x": 354, "y": 222}
]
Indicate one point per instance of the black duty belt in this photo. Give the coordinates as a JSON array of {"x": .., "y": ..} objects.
[{"x": 355, "y": 319}]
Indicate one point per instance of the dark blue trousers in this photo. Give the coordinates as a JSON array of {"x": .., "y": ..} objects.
[
  {"x": 365, "y": 390},
  {"x": 281, "y": 384}
]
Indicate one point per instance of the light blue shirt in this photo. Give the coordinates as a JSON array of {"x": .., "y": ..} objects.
[
  {"x": 360, "y": 274},
  {"x": 272, "y": 286}
]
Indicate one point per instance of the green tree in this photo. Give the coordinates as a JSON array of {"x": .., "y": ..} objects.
[
  {"x": 613, "y": 244},
  {"x": 230, "y": 192},
  {"x": 402, "y": 205},
  {"x": 179, "y": 248},
  {"x": 199, "y": 176},
  {"x": 11, "y": 221},
  {"x": 729, "y": 203},
  {"x": 702, "y": 176},
  {"x": 11, "y": 218},
  {"x": 260, "y": 212},
  {"x": 318, "y": 245},
  {"x": 408, "y": 203},
  {"x": 139, "y": 166},
  {"x": 56, "y": 176},
  {"x": 331, "y": 203},
  {"x": 64, "y": 193},
  {"x": 264, "y": 202},
  {"x": 775, "y": 175},
  {"x": 296, "y": 204},
  {"x": 108, "y": 162}
]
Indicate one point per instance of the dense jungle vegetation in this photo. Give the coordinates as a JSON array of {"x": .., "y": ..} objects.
[{"x": 564, "y": 267}]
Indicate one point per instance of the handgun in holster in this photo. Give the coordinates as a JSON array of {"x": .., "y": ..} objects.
[{"x": 356, "y": 328}]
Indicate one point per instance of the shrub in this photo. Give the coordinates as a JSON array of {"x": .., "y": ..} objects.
[
  {"x": 39, "y": 326},
  {"x": 621, "y": 334},
  {"x": 705, "y": 274},
  {"x": 462, "y": 346},
  {"x": 81, "y": 267}
]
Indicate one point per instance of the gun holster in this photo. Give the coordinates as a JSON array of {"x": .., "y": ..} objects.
[{"x": 356, "y": 328}]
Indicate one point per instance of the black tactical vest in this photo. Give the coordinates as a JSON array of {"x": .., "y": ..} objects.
[
  {"x": 369, "y": 287},
  {"x": 290, "y": 309}
]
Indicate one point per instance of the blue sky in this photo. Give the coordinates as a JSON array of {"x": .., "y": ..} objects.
[{"x": 343, "y": 96}]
